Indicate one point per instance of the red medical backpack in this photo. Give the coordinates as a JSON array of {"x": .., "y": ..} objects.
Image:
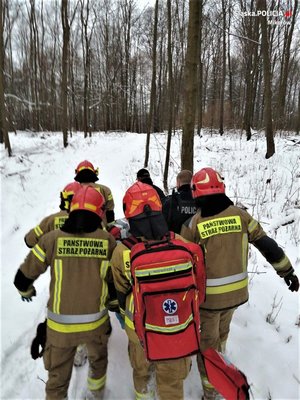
[{"x": 168, "y": 287}]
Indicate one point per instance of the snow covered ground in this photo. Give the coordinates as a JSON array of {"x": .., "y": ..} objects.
[{"x": 267, "y": 352}]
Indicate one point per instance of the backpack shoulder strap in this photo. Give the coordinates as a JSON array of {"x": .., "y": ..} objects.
[{"x": 130, "y": 241}]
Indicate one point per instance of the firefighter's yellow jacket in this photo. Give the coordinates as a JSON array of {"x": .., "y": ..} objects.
[
  {"x": 80, "y": 279},
  {"x": 224, "y": 238},
  {"x": 48, "y": 224}
]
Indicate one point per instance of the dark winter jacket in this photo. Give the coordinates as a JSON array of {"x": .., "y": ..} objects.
[{"x": 178, "y": 207}]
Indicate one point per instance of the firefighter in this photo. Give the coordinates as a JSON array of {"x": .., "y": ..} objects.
[
  {"x": 149, "y": 225},
  {"x": 87, "y": 174},
  {"x": 143, "y": 175},
  {"x": 224, "y": 231},
  {"x": 78, "y": 255},
  {"x": 53, "y": 221},
  {"x": 180, "y": 206}
]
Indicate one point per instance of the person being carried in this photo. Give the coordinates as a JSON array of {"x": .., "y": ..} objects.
[
  {"x": 169, "y": 337},
  {"x": 86, "y": 174},
  {"x": 143, "y": 175},
  {"x": 180, "y": 205},
  {"x": 224, "y": 232},
  {"x": 81, "y": 282}
]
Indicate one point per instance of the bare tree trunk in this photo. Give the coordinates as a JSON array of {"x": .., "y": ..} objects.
[
  {"x": 200, "y": 75},
  {"x": 65, "y": 67},
  {"x": 222, "y": 86},
  {"x": 187, "y": 149},
  {"x": 171, "y": 90},
  {"x": 3, "y": 122},
  {"x": 285, "y": 65},
  {"x": 152, "y": 110},
  {"x": 250, "y": 30},
  {"x": 298, "y": 118},
  {"x": 261, "y": 5}
]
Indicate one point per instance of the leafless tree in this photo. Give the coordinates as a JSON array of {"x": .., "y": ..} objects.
[
  {"x": 3, "y": 121},
  {"x": 152, "y": 113},
  {"x": 170, "y": 96},
  {"x": 187, "y": 149},
  {"x": 261, "y": 5},
  {"x": 65, "y": 67}
]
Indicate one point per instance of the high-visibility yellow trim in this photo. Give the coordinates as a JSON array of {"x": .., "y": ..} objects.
[
  {"x": 231, "y": 287},
  {"x": 104, "y": 294},
  {"x": 164, "y": 270},
  {"x": 129, "y": 323},
  {"x": 82, "y": 247},
  {"x": 252, "y": 225},
  {"x": 58, "y": 273},
  {"x": 109, "y": 197},
  {"x": 126, "y": 263},
  {"x": 96, "y": 171},
  {"x": 28, "y": 292},
  {"x": 103, "y": 268},
  {"x": 38, "y": 231},
  {"x": 168, "y": 329},
  {"x": 226, "y": 280},
  {"x": 90, "y": 206},
  {"x": 144, "y": 396},
  {"x": 284, "y": 262},
  {"x": 75, "y": 318},
  {"x": 206, "y": 383},
  {"x": 73, "y": 328},
  {"x": 122, "y": 312},
  {"x": 129, "y": 313},
  {"x": 39, "y": 253},
  {"x": 59, "y": 221},
  {"x": 244, "y": 251},
  {"x": 220, "y": 226},
  {"x": 96, "y": 384}
]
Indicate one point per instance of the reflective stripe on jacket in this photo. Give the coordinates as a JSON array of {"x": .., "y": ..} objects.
[
  {"x": 80, "y": 270},
  {"x": 48, "y": 224},
  {"x": 224, "y": 238}
]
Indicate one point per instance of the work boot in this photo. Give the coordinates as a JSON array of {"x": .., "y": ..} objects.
[{"x": 80, "y": 355}]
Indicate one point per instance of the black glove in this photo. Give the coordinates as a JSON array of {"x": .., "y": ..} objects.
[
  {"x": 29, "y": 294},
  {"x": 39, "y": 340},
  {"x": 292, "y": 281}
]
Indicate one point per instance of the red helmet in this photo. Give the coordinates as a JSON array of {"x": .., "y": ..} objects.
[
  {"x": 86, "y": 165},
  {"x": 67, "y": 194},
  {"x": 89, "y": 199},
  {"x": 206, "y": 182},
  {"x": 137, "y": 197}
]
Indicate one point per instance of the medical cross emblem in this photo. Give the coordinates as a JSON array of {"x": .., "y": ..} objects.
[{"x": 170, "y": 306}]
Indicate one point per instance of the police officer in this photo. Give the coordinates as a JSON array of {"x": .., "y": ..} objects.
[
  {"x": 224, "y": 231},
  {"x": 180, "y": 206},
  {"x": 78, "y": 256}
]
